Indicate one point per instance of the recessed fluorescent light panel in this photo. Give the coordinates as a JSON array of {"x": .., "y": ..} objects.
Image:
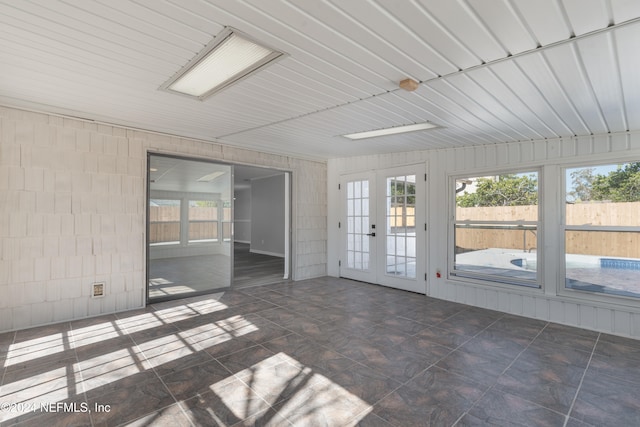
[
  {"x": 229, "y": 58},
  {"x": 391, "y": 131},
  {"x": 210, "y": 177}
]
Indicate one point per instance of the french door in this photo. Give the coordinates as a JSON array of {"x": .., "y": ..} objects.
[{"x": 382, "y": 230}]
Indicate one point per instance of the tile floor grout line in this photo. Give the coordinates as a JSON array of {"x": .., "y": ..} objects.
[
  {"x": 75, "y": 353},
  {"x": 525, "y": 349},
  {"x": 492, "y": 386},
  {"x": 144, "y": 355},
  {"x": 4, "y": 368},
  {"x": 584, "y": 374}
]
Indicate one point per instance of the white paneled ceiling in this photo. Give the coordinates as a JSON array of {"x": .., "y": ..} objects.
[{"x": 489, "y": 71}]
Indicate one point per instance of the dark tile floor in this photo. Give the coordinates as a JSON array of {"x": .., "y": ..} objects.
[
  {"x": 322, "y": 352},
  {"x": 182, "y": 277}
]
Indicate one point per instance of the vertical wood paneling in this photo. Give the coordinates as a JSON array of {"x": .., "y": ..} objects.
[
  {"x": 526, "y": 152},
  {"x": 634, "y": 141},
  {"x": 502, "y": 154},
  {"x": 540, "y": 150},
  {"x": 492, "y": 299},
  {"x": 529, "y": 306},
  {"x": 635, "y": 325},
  {"x": 569, "y": 147},
  {"x": 604, "y": 319},
  {"x": 515, "y": 305},
  {"x": 588, "y": 317},
  {"x": 514, "y": 155},
  {"x": 554, "y": 149},
  {"x": 542, "y": 308},
  {"x": 619, "y": 142},
  {"x": 504, "y": 301},
  {"x": 479, "y": 155},
  {"x": 556, "y": 311},
  {"x": 601, "y": 144},
  {"x": 571, "y": 313},
  {"x": 584, "y": 146},
  {"x": 469, "y": 158}
]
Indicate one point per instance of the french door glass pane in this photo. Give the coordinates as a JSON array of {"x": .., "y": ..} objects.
[
  {"x": 358, "y": 225},
  {"x": 400, "y": 226}
]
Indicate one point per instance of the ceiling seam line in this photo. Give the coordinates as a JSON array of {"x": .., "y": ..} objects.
[
  {"x": 544, "y": 98},
  {"x": 589, "y": 84},
  {"x": 619, "y": 82},
  {"x": 524, "y": 104},
  {"x": 301, "y": 34},
  {"x": 147, "y": 46},
  {"x": 489, "y": 110},
  {"x": 564, "y": 93},
  {"x": 499, "y": 102},
  {"x": 455, "y": 73},
  {"x": 360, "y": 45}
]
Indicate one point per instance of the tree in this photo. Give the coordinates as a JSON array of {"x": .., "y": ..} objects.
[
  {"x": 582, "y": 183},
  {"x": 504, "y": 190},
  {"x": 621, "y": 185}
]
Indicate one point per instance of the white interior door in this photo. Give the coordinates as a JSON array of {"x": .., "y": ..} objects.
[{"x": 383, "y": 228}]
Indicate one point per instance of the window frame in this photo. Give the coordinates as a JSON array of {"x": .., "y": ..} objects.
[
  {"x": 563, "y": 227},
  {"x": 173, "y": 243},
  {"x": 489, "y": 279}
]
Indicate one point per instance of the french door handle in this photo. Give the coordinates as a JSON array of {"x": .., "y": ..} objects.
[{"x": 372, "y": 234}]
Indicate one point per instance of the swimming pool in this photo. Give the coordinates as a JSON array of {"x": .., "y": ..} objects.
[{"x": 608, "y": 275}]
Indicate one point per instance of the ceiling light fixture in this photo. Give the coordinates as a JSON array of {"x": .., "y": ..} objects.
[
  {"x": 230, "y": 57},
  {"x": 391, "y": 131},
  {"x": 409, "y": 85},
  {"x": 210, "y": 177}
]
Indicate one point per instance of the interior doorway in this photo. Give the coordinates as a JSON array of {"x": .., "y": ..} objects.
[
  {"x": 262, "y": 226},
  {"x": 213, "y": 226}
]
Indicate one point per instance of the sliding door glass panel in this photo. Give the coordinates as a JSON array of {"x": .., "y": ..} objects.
[
  {"x": 189, "y": 230},
  {"x": 164, "y": 222},
  {"x": 203, "y": 221}
]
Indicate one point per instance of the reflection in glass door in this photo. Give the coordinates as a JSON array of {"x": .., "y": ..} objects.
[{"x": 189, "y": 232}]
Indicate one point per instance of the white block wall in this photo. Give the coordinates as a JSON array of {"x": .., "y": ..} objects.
[
  {"x": 616, "y": 316},
  {"x": 72, "y": 212}
]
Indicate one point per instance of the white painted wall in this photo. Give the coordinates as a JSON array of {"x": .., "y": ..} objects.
[
  {"x": 552, "y": 303},
  {"x": 242, "y": 215},
  {"x": 267, "y": 215},
  {"x": 72, "y": 211}
]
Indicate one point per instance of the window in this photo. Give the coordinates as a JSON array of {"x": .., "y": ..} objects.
[
  {"x": 164, "y": 222},
  {"x": 227, "y": 221},
  {"x": 203, "y": 221},
  {"x": 495, "y": 228},
  {"x": 602, "y": 229}
]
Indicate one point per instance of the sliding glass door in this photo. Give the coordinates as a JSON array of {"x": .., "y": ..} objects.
[{"x": 189, "y": 227}]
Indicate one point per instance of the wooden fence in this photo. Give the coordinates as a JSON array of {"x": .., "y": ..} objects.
[
  {"x": 610, "y": 243},
  {"x": 164, "y": 223}
]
